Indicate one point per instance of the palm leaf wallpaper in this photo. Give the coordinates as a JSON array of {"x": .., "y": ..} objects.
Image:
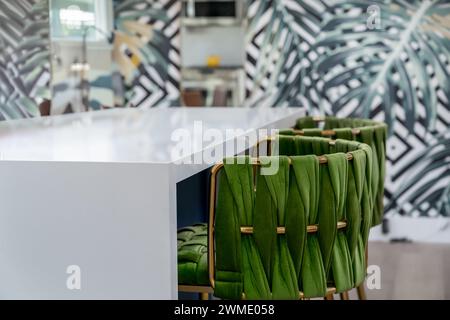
[
  {"x": 24, "y": 57},
  {"x": 146, "y": 49},
  {"x": 388, "y": 60}
]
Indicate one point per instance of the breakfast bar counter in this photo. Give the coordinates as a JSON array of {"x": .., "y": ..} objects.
[{"x": 89, "y": 200}]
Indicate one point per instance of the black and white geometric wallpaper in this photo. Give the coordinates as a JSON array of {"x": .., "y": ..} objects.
[
  {"x": 387, "y": 60},
  {"x": 24, "y": 57},
  {"x": 147, "y": 51}
]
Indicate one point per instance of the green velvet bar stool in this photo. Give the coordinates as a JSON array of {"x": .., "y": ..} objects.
[
  {"x": 358, "y": 204},
  {"x": 299, "y": 232},
  {"x": 371, "y": 132}
]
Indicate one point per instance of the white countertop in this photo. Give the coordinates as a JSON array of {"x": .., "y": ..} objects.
[
  {"x": 125, "y": 135},
  {"x": 99, "y": 191}
]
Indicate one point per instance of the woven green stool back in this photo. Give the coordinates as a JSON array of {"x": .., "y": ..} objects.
[
  {"x": 264, "y": 245},
  {"x": 370, "y": 132}
]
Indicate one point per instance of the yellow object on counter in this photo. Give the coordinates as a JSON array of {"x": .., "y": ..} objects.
[{"x": 213, "y": 61}]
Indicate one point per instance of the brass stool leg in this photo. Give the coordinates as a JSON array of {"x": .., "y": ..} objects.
[
  {"x": 344, "y": 296},
  {"x": 204, "y": 296},
  {"x": 361, "y": 292}
]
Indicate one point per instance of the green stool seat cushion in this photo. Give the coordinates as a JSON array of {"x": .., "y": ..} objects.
[{"x": 192, "y": 243}]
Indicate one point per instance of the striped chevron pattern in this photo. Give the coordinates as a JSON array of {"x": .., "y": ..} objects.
[
  {"x": 24, "y": 57},
  {"x": 387, "y": 59},
  {"x": 149, "y": 51}
]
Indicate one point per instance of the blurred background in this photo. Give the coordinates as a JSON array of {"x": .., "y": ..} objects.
[{"x": 387, "y": 60}]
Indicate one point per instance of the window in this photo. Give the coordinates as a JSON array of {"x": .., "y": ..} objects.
[{"x": 71, "y": 19}]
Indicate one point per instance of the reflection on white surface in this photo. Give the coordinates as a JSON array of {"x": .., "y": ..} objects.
[{"x": 123, "y": 135}]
